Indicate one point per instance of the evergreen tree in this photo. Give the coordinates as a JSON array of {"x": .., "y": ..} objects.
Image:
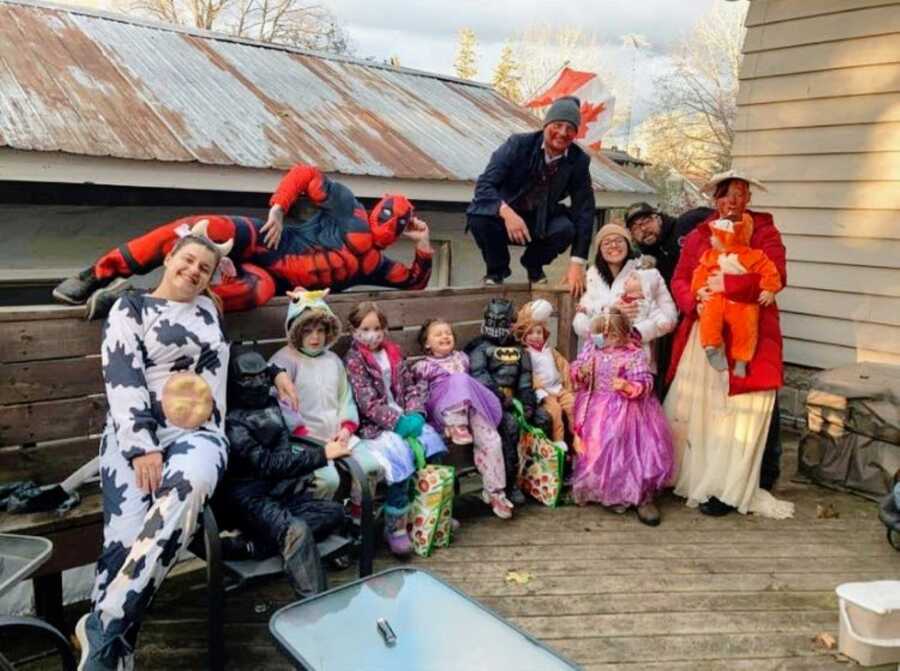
[
  {"x": 466, "y": 63},
  {"x": 507, "y": 81}
]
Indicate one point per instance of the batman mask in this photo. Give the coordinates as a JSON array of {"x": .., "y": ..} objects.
[{"x": 499, "y": 315}]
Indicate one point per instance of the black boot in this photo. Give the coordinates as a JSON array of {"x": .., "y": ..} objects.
[
  {"x": 715, "y": 508},
  {"x": 102, "y": 300},
  {"x": 76, "y": 290},
  {"x": 302, "y": 563}
]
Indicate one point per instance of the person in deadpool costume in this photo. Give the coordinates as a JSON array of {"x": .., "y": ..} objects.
[{"x": 338, "y": 247}]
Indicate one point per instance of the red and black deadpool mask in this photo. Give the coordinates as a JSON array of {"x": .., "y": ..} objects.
[{"x": 390, "y": 216}]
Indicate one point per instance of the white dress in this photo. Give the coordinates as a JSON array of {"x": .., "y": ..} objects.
[{"x": 719, "y": 439}]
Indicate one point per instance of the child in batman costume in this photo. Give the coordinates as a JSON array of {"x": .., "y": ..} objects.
[{"x": 499, "y": 362}]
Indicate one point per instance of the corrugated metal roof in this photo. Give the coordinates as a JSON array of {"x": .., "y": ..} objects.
[{"x": 98, "y": 84}]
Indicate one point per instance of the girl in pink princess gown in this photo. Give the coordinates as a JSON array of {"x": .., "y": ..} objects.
[{"x": 628, "y": 455}]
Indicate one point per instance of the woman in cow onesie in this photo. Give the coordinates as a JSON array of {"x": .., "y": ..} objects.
[{"x": 165, "y": 362}]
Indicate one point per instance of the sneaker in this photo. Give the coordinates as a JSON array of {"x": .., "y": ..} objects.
[
  {"x": 459, "y": 434},
  {"x": 399, "y": 544},
  {"x": 515, "y": 495},
  {"x": 454, "y": 524},
  {"x": 76, "y": 290},
  {"x": 499, "y": 504},
  {"x": 491, "y": 280},
  {"x": 619, "y": 509},
  {"x": 101, "y": 301},
  {"x": 97, "y": 654},
  {"x": 648, "y": 513}
]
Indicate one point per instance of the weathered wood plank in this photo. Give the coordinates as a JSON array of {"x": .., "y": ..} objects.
[
  {"x": 863, "y": 80},
  {"x": 32, "y": 381},
  {"x": 860, "y": 138},
  {"x": 538, "y": 565},
  {"x": 820, "y": 112},
  {"x": 772, "y": 11},
  {"x": 50, "y": 379},
  {"x": 823, "y": 56},
  {"x": 882, "y": 20},
  {"x": 846, "y": 251},
  {"x": 844, "y": 223},
  {"x": 823, "y": 661},
  {"x": 837, "y": 277},
  {"x": 552, "y": 627},
  {"x": 47, "y": 462},
  {"x": 54, "y": 338},
  {"x": 855, "y": 167},
  {"x": 65, "y": 335},
  {"x": 662, "y": 602},
  {"x": 52, "y": 420},
  {"x": 85, "y": 514},
  {"x": 874, "y": 337},
  {"x": 841, "y": 305}
]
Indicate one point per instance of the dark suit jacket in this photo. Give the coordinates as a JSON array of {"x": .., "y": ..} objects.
[{"x": 511, "y": 172}]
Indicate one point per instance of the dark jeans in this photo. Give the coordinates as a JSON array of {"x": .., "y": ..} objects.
[
  {"x": 249, "y": 506},
  {"x": 490, "y": 235},
  {"x": 771, "y": 460}
]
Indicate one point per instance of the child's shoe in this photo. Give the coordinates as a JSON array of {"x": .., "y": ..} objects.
[
  {"x": 459, "y": 434},
  {"x": 396, "y": 535},
  {"x": 499, "y": 504},
  {"x": 716, "y": 358},
  {"x": 515, "y": 495}
]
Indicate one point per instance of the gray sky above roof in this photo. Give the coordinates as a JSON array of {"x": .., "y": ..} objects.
[{"x": 423, "y": 32}]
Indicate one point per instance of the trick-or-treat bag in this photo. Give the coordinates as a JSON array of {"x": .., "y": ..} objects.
[
  {"x": 432, "y": 503},
  {"x": 541, "y": 462}
]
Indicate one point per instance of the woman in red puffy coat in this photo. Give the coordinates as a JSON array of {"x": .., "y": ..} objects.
[{"x": 720, "y": 422}]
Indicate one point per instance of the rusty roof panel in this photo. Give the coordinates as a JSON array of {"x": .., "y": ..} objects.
[{"x": 103, "y": 85}]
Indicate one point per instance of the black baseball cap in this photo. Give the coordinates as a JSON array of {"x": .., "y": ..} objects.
[{"x": 638, "y": 210}]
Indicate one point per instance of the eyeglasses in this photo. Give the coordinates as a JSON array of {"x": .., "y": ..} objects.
[
  {"x": 615, "y": 241},
  {"x": 643, "y": 222}
]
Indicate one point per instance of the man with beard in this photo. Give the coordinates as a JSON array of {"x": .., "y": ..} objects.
[{"x": 659, "y": 235}]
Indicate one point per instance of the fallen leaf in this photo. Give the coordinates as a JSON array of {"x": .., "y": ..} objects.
[
  {"x": 518, "y": 578},
  {"x": 826, "y": 512},
  {"x": 825, "y": 640}
]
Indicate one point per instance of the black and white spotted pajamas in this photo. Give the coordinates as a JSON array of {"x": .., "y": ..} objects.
[{"x": 145, "y": 341}]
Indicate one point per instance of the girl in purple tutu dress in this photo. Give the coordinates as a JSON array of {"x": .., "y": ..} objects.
[
  {"x": 463, "y": 408},
  {"x": 628, "y": 454}
]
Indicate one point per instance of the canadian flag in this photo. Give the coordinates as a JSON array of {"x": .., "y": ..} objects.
[{"x": 597, "y": 103}]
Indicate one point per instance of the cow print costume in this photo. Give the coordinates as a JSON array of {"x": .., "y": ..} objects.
[{"x": 145, "y": 341}]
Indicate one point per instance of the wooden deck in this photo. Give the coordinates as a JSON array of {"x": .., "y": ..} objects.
[{"x": 695, "y": 593}]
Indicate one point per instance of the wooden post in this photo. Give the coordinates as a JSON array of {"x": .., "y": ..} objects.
[{"x": 566, "y": 341}]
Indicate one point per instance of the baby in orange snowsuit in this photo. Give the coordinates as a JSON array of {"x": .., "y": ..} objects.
[{"x": 732, "y": 254}]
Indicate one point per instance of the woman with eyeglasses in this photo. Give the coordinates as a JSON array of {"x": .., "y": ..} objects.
[{"x": 616, "y": 268}]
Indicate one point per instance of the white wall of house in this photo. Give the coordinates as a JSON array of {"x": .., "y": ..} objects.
[{"x": 819, "y": 122}]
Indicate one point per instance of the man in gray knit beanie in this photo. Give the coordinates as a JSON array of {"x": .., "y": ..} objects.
[{"x": 519, "y": 200}]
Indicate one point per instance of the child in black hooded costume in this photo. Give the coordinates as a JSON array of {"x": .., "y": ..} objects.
[{"x": 263, "y": 493}]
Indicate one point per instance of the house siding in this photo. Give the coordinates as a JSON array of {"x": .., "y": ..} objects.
[{"x": 819, "y": 123}]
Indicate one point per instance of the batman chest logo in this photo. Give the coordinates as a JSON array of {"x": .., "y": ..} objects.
[{"x": 508, "y": 355}]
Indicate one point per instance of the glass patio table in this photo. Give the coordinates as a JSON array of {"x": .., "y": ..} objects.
[{"x": 404, "y": 619}]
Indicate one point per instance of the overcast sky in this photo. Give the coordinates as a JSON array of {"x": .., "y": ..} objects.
[{"x": 423, "y": 33}]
